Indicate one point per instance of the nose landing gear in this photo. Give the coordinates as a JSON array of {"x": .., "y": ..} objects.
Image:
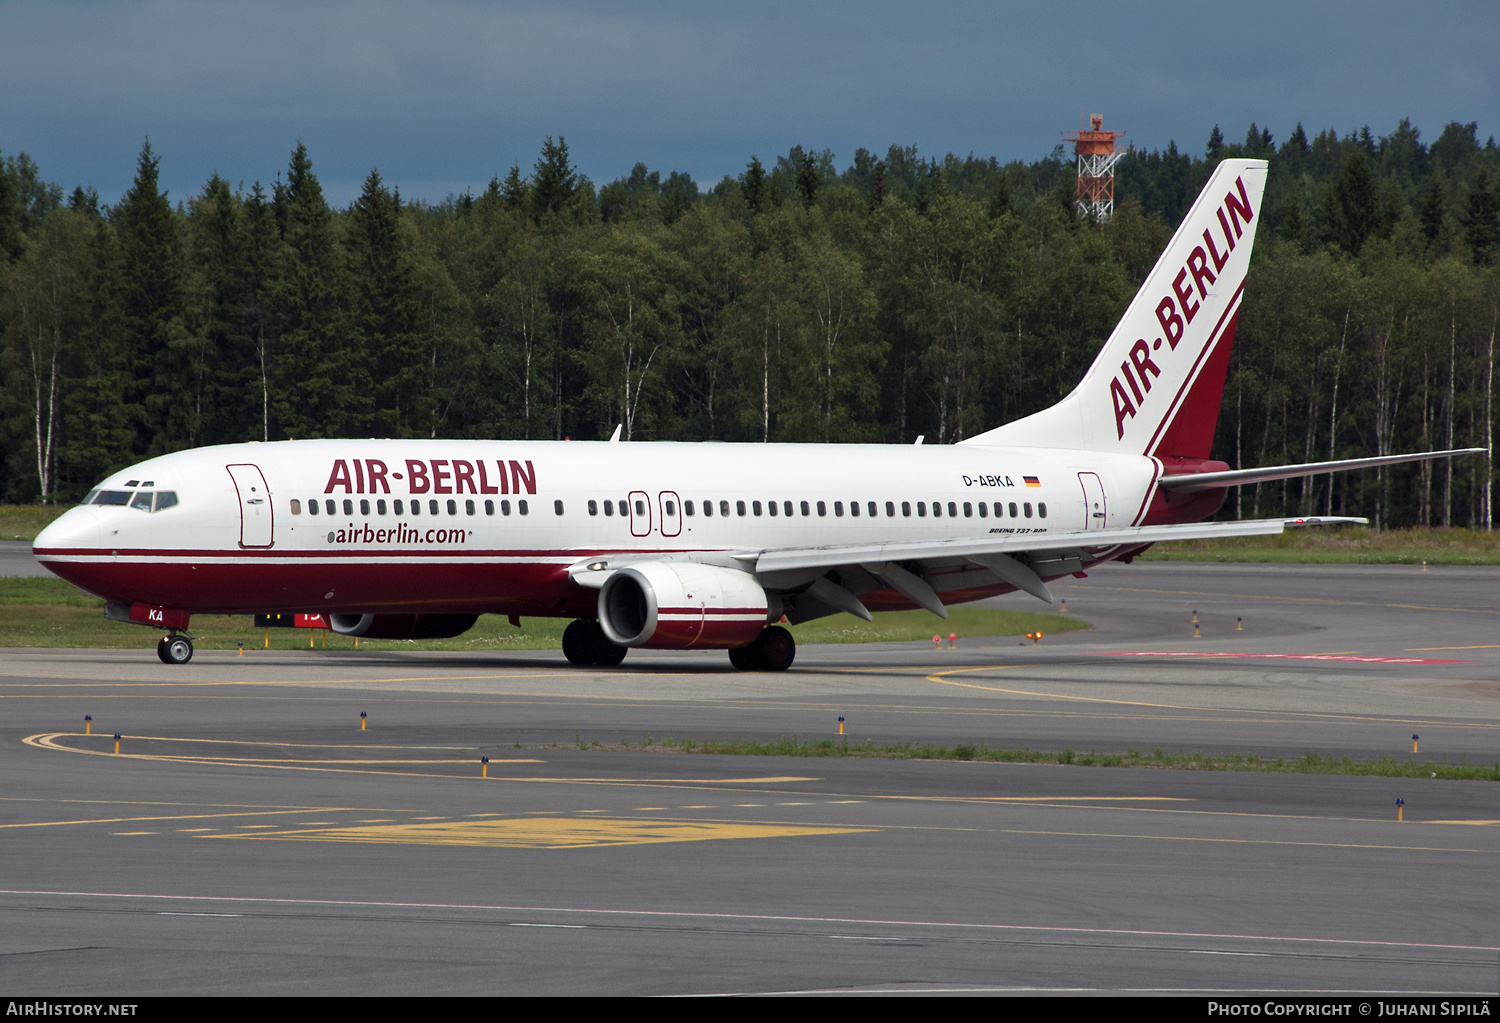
[{"x": 176, "y": 648}]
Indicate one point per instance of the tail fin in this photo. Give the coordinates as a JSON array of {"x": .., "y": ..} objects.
[{"x": 1156, "y": 385}]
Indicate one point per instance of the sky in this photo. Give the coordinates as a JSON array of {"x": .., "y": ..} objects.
[{"x": 443, "y": 95}]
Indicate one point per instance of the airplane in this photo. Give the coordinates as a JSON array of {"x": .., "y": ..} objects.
[{"x": 702, "y": 546}]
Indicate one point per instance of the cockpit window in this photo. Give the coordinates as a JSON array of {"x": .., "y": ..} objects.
[
  {"x": 140, "y": 500},
  {"x": 89, "y": 498}
]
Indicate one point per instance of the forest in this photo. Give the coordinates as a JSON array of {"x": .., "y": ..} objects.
[{"x": 899, "y": 296}]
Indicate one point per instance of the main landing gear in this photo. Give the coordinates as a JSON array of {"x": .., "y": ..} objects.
[
  {"x": 773, "y": 650},
  {"x": 175, "y": 649},
  {"x": 584, "y": 642}
]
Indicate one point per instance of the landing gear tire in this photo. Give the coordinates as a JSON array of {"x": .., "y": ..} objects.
[
  {"x": 606, "y": 651},
  {"x": 584, "y": 643},
  {"x": 773, "y": 650},
  {"x": 175, "y": 649},
  {"x": 575, "y": 642}
]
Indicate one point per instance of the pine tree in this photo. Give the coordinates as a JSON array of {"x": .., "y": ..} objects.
[
  {"x": 1215, "y": 143},
  {"x": 1482, "y": 223},
  {"x": 755, "y": 184},
  {"x": 165, "y": 390},
  {"x": 554, "y": 181}
]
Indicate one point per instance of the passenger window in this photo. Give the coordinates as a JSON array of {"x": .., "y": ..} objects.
[
  {"x": 724, "y": 509},
  {"x": 624, "y": 509},
  {"x": 141, "y": 501},
  {"x": 687, "y": 506},
  {"x": 922, "y": 509},
  {"x": 609, "y": 509},
  {"x": 968, "y": 510},
  {"x": 312, "y": 507},
  {"x": 671, "y": 508},
  {"x": 1041, "y": 509},
  {"x": 593, "y": 507},
  {"x": 838, "y": 509},
  {"x": 557, "y": 507},
  {"x": 416, "y": 507},
  {"x": 854, "y": 508},
  {"x": 330, "y": 507},
  {"x": 521, "y": 507},
  {"x": 348, "y": 506},
  {"x": 739, "y": 506},
  {"x": 489, "y": 507},
  {"x": 1013, "y": 512},
  {"x": 640, "y": 508},
  {"x": 708, "y": 509},
  {"x": 822, "y": 509},
  {"x": 890, "y": 510},
  {"x": 755, "y": 507},
  {"x": 937, "y": 509},
  {"x": 952, "y": 510},
  {"x": 380, "y": 506},
  {"x": 1027, "y": 508},
  {"x": 786, "y": 508},
  {"x": 504, "y": 507},
  {"x": 984, "y": 510},
  {"x": 469, "y": 507},
  {"x": 398, "y": 506},
  {"x": 364, "y": 506},
  {"x": 906, "y": 509},
  {"x": 296, "y": 506},
  {"x": 806, "y": 510},
  {"x": 771, "y": 507}
]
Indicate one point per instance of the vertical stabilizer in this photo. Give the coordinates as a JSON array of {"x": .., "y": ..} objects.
[{"x": 1155, "y": 387}]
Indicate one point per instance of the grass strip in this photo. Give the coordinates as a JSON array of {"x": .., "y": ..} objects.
[
  {"x": 841, "y": 746},
  {"x": 45, "y": 612},
  {"x": 1341, "y": 545}
]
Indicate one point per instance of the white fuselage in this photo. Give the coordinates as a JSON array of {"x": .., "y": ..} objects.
[{"x": 389, "y": 525}]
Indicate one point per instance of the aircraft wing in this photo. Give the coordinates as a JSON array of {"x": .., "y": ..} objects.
[
  {"x": 821, "y": 580},
  {"x": 789, "y": 558}
]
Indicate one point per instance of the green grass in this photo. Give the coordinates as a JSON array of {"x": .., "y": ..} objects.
[
  {"x": 1343, "y": 545},
  {"x": 52, "y": 613},
  {"x": 841, "y": 746},
  {"x": 25, "y": 521}
]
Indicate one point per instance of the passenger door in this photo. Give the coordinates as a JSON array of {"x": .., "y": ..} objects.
[{"x": 257, "y": 522}]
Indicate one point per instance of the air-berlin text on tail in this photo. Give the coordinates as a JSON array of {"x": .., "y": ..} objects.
[
  {"x": 1177, "y": 310},
  {"x": 433, "y": 476}
]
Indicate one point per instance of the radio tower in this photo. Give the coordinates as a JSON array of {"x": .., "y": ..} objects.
[{"x": 1095, "y": 195}]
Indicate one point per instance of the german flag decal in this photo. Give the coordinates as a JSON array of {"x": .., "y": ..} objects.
[{"x": 1032, "y": 481}]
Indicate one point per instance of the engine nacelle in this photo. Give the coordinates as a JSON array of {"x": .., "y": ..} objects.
[
  {"x": 388, "y": 626},
  {"x": 676, "y": 605}
]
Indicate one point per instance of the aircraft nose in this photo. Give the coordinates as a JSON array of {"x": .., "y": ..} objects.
[{"x": 76, "y": 527}]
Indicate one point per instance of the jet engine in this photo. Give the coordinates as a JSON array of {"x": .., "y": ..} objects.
[
  {"x": 676, "y": 605},
  {"x": 391, "y": 626}
]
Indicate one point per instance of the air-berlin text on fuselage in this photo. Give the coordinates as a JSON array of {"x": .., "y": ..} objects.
[
  {"x": 1176, "y": 310},
  {"x": 433, "y": 476}
]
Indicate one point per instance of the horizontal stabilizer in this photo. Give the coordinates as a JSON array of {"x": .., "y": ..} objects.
[{"x": 1194, "y": 482}]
